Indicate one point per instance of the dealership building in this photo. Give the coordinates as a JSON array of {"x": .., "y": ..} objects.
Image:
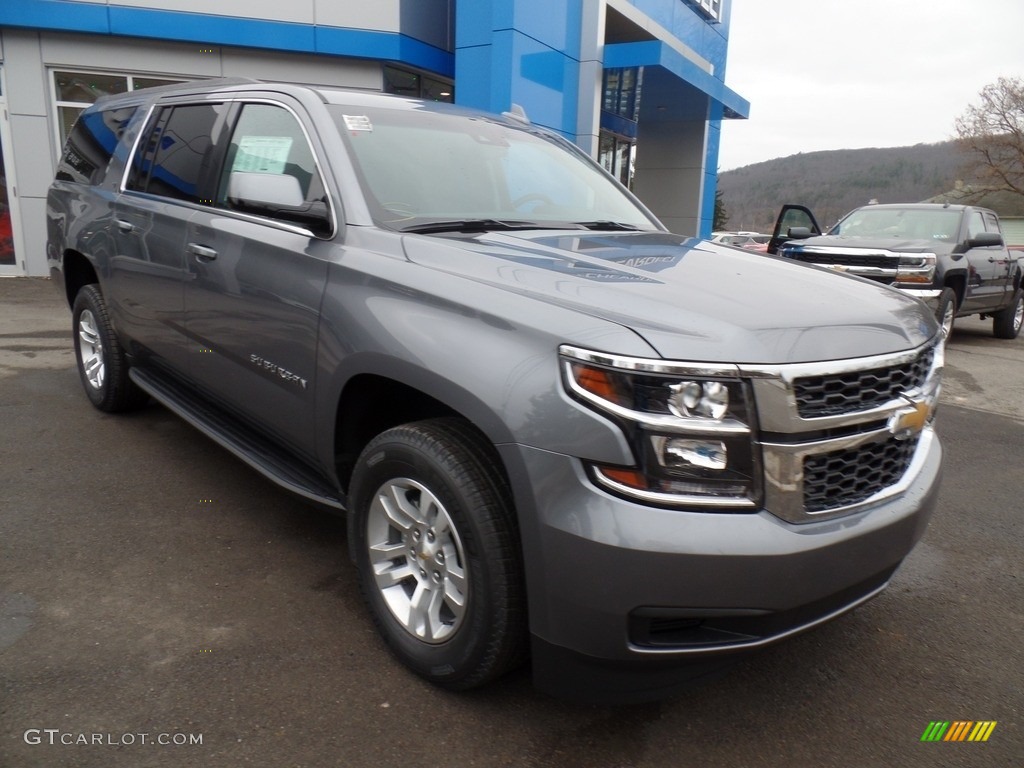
[{"x": 639, "y": 84}]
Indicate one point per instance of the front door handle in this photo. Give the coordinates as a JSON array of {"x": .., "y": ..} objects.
[
  {"x": 125, "y": 226},
  {"x": 202, "y": 252}
]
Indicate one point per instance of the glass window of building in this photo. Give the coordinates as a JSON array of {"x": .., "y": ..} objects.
[
  {"x": 616, "y": 155},
  {"x": 621, "y": 94},
  {"x": 404, "y": 82},
  {"x": 711, "y": 8},
  {"x": 74, "y": 91}
]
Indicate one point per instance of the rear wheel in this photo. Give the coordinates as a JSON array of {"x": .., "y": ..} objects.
[
  {"x": 437, "y": 553},
  {"x": 1006, "y": 323},
  {"x": 102, "y": 364}
]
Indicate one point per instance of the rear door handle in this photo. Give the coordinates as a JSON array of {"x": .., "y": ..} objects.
[
  {"x": 125, "y": 226},
  {"x": 202, "y": 252}
]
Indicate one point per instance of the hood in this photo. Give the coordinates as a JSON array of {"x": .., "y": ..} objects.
[
  {"x": 875, "y": 244},
  {"x": 689, "y": 299}
]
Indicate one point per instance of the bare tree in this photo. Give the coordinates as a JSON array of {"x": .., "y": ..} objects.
[{"x": 992, "y": 133}]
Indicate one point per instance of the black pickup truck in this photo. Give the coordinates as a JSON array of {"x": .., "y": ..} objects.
[{"x": 953, "y": 257}]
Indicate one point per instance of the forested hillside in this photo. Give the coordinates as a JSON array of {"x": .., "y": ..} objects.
[{"x": 834, "y": 182}]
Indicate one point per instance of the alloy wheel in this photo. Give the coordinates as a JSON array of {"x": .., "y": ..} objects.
[
  {"x": 418, "y": 560},
  {"x": 91, "y": 347}
]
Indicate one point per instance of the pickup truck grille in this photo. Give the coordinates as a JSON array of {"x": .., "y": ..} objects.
[
  {"x": 828, "y": 395},
  {"x": 879, "y": 260},
  {"x": 842, "y": 478}
]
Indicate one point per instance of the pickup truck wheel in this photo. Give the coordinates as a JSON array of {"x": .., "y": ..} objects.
[
  {"x": 434, "y": 539},
  {"x": 102, "y": 364},
  {"x": 1006, "y": 323},
  {"x": 946, "y": 311}
]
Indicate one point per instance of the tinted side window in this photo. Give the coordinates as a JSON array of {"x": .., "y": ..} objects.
[
  {"x": 172, "y": 158},
  {"x": 794, "y": 217},
  {"x": 268, "y": 139},
  {"x": 992, "y": 223},
  {"x": 975, "y": 225},
  {"x": 91, "y": 144}
]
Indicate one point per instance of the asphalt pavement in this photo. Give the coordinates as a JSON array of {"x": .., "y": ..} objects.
[{"x": 155, "y": 592}]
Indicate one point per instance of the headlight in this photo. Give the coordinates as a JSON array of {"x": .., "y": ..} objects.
[
  {"x": 689, "y": 427},
  {"x": 916, "y": 268}
]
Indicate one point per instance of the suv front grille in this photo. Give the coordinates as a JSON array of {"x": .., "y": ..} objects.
[
  {"x": 829, "y": 430},
  {"x": 833, "y": 394},
  {"x": 841, "y": 478}
]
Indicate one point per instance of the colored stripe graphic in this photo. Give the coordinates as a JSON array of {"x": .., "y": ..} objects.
[
  {"x": 958, "y": 730},
  {"x": 982, "y": 730}
]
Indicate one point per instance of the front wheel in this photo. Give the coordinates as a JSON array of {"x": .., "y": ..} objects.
[
  {"x": 102, "y": 364},
  {"x": 434, "y": 539},
  {"x": 1007, "y": 322},
  {"x": 946, "y": 311}
]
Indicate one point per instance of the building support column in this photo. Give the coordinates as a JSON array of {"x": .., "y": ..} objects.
[{"x": 670, "y": 173}]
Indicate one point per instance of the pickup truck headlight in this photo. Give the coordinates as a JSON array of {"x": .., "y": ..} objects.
[
  {"x": 916, "y": 268},
  {"x": 689, "y": 428}
]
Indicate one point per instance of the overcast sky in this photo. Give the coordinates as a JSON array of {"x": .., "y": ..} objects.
[{"x": 844, "y": 74}]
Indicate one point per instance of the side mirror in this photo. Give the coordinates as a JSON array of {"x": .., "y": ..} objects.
[
  {"x": 264, "y": 189},
  {"x": 985, "y": 239},
  {"x": 277, "y": 196}
]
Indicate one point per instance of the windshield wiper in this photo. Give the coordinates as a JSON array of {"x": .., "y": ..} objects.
[
  {"x": 470, "y": 225},
  {"x": 614, "y": 225}
]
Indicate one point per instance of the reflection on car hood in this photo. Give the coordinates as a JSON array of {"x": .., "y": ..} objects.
[{"x": 690, "y": 299}]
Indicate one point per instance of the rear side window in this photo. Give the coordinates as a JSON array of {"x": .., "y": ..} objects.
[
  {"x": 91, "y": 144},
  {"x": 175, "y": 152}
]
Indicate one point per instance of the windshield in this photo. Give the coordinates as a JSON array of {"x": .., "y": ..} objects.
[
  {"x": 902, "y": 223},
  {"x": 419, "y": 168}
]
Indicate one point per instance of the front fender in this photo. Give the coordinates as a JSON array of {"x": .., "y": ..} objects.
[{"x": 498, "y": 367}]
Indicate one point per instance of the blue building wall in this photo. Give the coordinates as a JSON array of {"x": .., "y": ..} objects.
[
  {"x": 532, "y": 53},
  {"x": 295, "y": 36},
  {"x": 520, "y": 51}
]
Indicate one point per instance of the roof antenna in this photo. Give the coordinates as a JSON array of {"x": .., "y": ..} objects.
[{"x": 516, "y": 112}]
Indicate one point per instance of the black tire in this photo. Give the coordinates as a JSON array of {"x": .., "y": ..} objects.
[
  {"x": 444, "y": 472},
  {"x": 946, "y": 310},
  {"x": 102, "y": 364},
  {"x": 1006, "y": 323}
]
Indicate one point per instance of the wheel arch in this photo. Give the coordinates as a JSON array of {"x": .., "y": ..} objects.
[
  {"x": 78, "y": 271},
  {"x": 957, "y": 281},
  {"x": 373, "y": 400}
]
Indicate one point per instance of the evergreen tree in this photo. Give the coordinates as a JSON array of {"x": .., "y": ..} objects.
[{"x": 721, "y": 220}]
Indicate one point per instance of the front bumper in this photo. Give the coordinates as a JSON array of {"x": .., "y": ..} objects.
[
  {"x": 637, "y": 599},
  {"x": 930, "y": 296}
]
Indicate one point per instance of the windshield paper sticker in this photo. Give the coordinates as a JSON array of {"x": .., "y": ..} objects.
[
  {"x": 262, "y": 154},
  {"x": 358, "y": 123}
]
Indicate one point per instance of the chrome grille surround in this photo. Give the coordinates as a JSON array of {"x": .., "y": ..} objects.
[
  {"x": 794, "y": 450},
  {"x": 829, "y": 394}
]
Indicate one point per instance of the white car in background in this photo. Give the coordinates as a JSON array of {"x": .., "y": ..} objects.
[{"x": 753, "y": 241}]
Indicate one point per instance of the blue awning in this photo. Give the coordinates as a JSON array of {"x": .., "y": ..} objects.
[{"x": 655, "y": 53}]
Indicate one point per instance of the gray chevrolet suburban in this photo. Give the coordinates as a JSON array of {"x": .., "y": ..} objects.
[{"x": 557, "y": 430}]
